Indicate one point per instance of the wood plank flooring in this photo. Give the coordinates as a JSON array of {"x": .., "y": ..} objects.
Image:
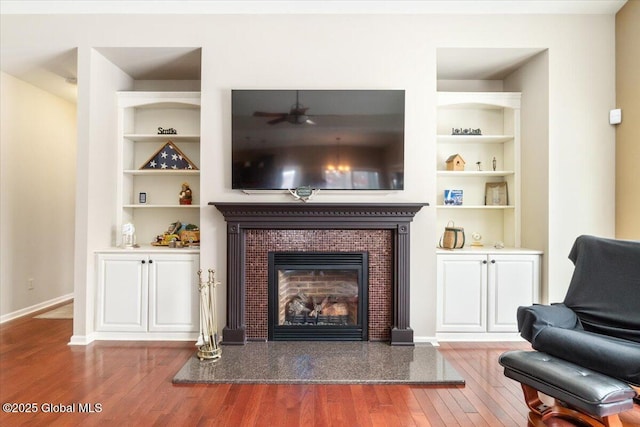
[{"x": 129, "y": 383}]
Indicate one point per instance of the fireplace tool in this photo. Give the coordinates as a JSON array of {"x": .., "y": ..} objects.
[{"x": 210, "y": 348}]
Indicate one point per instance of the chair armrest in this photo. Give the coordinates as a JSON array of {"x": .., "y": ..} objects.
[{"x": 532, "y": 319}]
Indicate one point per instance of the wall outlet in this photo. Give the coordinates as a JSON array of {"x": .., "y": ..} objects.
[{"x": 30, "y": 284}]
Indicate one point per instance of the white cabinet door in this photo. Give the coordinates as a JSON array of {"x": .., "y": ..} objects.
[
  {"x": 122, "y": 293},
  {"x": 173, "y": 293},
  {"x": 513, "y": 281},
  {"x": 462, "y": 293}
]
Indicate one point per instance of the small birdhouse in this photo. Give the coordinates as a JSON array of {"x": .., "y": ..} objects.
[{"x": 455, "y": 162}]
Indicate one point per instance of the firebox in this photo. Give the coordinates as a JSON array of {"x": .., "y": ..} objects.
[{"x": 318, "y": 296}]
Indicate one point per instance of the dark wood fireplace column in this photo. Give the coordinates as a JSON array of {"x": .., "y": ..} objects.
[{"x": 310, "y": 216}]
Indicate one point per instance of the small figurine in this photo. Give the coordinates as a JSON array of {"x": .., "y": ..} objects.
[
  {"x": 185, "y": 194},
  {"x": 494, "y": 163},
  {"x": 479, "y": 165},
  {"x": 171, "y": 235}
]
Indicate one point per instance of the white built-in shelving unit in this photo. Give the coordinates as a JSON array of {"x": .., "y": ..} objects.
[
  {"x": 497, "y": 115},
  {"x": 479, "y": 288},
  {"x": 151, "y": 292},
  {"x": 140, "y": 116}
]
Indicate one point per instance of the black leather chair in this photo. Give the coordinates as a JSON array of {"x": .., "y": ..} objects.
[{"x": 587, "y": 347}]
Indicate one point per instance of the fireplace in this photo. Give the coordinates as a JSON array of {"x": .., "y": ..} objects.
[
  {"x": 251, "y": 227},
  {"x": 318, "y": 296}
]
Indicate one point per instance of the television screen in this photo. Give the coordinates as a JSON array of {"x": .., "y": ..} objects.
[{"x": 326, "y": 139}]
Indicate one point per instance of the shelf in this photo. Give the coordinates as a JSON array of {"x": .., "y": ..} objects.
[
  {"x": 479, "y": 100},
  {"x": 139, "y": 137},
  {"x": 161, "y": 172},
  {"x": 474, "y": 139},
  {"x": 149, "y": 206},
  {"x": 159, "y": 99},
  {"x": 474, "y": 173},
  {"x": 474, "y": 207}
]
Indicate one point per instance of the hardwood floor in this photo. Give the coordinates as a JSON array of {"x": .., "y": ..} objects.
[{"x": 129, "y": 383}]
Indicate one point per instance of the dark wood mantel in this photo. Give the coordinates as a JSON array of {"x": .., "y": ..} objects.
[{"x": 244, "y": 216}]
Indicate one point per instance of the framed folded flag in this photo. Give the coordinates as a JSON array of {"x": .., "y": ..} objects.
[{"x": 168, "y": 157}]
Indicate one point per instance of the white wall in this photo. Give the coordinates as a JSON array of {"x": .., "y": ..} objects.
[
  {"x": 532, "y": 80},
  {"x": 377, "y": 51},
  {"x": 37, "y": 197},
  {"x": 96, "y": 184}
]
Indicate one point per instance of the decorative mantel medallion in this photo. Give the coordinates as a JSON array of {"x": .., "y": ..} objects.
[{"x": 304, "y": 194}]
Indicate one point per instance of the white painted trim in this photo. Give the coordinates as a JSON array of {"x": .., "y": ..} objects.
[
  {"x": 455, "y": 7},
  {"x": 426, "y": 340},
  {"x": 145, "y": 336},
  {"x": 479, "y": 337},
  {"x": 135, "y": 336},
  {"x": 28, "y": 310},
  {"x": 81, "y": 339}
]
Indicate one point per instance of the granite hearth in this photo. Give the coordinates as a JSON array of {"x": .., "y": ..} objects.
[{"x": 255, "y": 230}]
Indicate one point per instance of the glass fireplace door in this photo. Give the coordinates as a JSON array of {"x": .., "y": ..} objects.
[{"x": 317, "y": 296}]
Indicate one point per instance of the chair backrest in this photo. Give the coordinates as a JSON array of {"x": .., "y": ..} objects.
[{"x": 605, "y": 288}]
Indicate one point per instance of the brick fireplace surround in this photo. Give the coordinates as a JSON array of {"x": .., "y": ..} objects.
[{"x": 255, "y": 229}]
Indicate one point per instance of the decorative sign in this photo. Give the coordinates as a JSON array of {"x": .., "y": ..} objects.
[
  {"x": 304, "y": 193},
  {"x": 469, "y": 131},
  {"x": 170, "y": 131}
]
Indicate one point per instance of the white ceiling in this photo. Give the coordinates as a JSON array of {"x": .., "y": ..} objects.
[
  {"x": 156, "y": 63},
  {"x": 480, "y": 63},
  {"x": 52, "y": 70},
  {"x": 312, "y": 6}
]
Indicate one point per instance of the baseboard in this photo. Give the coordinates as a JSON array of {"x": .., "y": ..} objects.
[
  {"x": 81, "y": 339},
  {"x": 426, "y": 340},
  {"x": 40, "y": 306},
  {"x": 479, "y": 336},
  {"x": 134, "y": 336},
  {"x": 145, "y": 336}
]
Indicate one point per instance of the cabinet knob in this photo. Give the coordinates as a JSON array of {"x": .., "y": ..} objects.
[
  {"x": 493, "y": 261},
  {"x": 143, "y": 261},
  {"x": 150, "y": 261},
  {"x": 484, "y": 262}
]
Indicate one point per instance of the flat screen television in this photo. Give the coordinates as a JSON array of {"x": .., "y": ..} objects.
[{"x": 325, "y": 139}]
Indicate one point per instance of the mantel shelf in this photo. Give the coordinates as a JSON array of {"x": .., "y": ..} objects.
[{"x": 314, "y": 214}]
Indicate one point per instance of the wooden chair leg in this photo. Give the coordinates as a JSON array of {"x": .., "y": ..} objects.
[
  {"x": 534, "y": 403},
  {"x": 541, "y": 412},
  {"x": 612, "y": 421}
]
